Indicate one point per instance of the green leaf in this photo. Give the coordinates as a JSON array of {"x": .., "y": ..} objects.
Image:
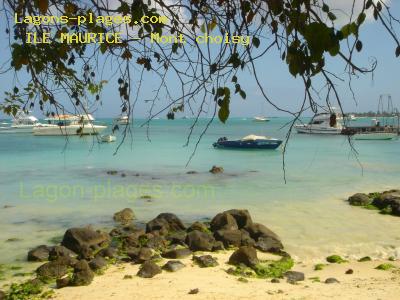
[
  {"x": 43, "y": 5},
  {"x": 203, "y": 28},
  {"x": 223, "y": 114},
  {"x": 212, "y": 25},
  {"x": 331, "y": 16},
  {"x": 325, "y": 8},
  {"x": 242, "y": 94},
  {"x": 256, "y": 41},
  {"x": 234, "y": 79},
  {"x": 398, "y": 51},
  {"x": 234, "y": 60},
  {"x": 359, "y": 46},
  {"x": 361, "y": 18}
]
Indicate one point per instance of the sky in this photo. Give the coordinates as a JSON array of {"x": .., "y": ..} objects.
[{"x": 281, "y": 87}]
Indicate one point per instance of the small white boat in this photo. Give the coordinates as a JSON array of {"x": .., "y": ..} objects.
[
  {"x": 68, "y": 125},
  {"x": 261, "y": 119},
  {"x": 22, "y": 123},
  {"x": 352, "y": 117},
  {"x": 109, "y": 138},
  {"x": 122, "y": 120},
  {"x": 369, "y": 136},
  {"x": 323, "y": 123}
]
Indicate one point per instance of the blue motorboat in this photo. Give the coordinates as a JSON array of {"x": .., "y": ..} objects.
[{"x": 248, "y": 142}]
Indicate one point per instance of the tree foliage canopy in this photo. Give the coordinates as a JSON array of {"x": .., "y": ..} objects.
[{"x": 303, "y": 33}]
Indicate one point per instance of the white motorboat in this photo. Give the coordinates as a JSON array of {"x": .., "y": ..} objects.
[
  {"x": 260, "y": 119},
  {"x": 122, "y": 120},
  {"x": 22, "y": 123},
  {"x": 375, "y": 136},
  {"x": 69, "y": 125},
  {"x": 323, "y": 123},
  {"x": 109, "y": 138}
]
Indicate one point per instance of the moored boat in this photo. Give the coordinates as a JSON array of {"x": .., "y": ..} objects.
[
  {"x": 375, "y": 136},
  {"x": 248, "y": 142},
  {"x": 122, "y": 120},
  {"x": 261, "y": 119},
  {"x": 22, "y": 123},
  {"x": 109, "y": 138},
  {"x": 69, "y": 125},
  {"x": 323, "y": 123}
]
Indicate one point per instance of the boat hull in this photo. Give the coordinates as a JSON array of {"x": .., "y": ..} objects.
[
  {"x": 375, "y": 136},
  {"x": 320, "y": 130},
  {"x": 257, "y": 144},
  {"x": 16, "y": 129},
  {"x": 55, "y": 130}
]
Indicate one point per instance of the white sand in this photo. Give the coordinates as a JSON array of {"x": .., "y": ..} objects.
[{"x": 214, "y": 283}]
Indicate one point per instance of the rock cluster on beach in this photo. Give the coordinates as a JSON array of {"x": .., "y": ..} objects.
[
  {"x": 164, "y": 241},
  {"x": 387, "y": 202},
  {"x": 85, "y": 251}
]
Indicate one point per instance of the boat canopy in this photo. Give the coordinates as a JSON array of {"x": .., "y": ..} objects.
[{"x": 253, "y": 137}]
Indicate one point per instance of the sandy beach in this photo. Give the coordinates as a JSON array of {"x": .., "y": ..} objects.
[{"x": 214, "y": 283}]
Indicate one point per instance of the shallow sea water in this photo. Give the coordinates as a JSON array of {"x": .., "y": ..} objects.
[{"x": 52, "y": 184}]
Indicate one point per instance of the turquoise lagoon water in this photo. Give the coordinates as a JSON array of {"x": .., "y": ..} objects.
[{"x": 52, "y": 184}]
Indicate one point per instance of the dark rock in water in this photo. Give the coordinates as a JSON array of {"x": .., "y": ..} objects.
[
  {"x": 53, "y": 269},
  {"x": 246, "y": 255},
  {"x": 242, "y": 217},
  {"x": 268, "y": 244},
  {"x": 205, "y": 261},
  {"x": 109, "y": 252},
  {"x": 112, "y": 172},
  {"x": 178, "y": 237},
  {"x": 63, "y": 282},
  {"x": 177, "y": 253},
  {"x": 218, "y": 245},
  {"x": 149, "y": 269},
  {"x": 60, "y": 251},
  {"x": 124, "y": 230},
  {"x": 294, "y": 276},
  {"x": 229, "y": 237},
  {"x": 140, "y": 255},
  {"x": 257, "y": 231},
  {"x": 275, "y": 280},
  {"x": 13, "y": 240},
  {"x": 223, "y": 221},
  {"x": 216, "y": 170},
  {"x": 198, "y": 226},
  {"x": 8, "y": 206},
  {"x": 165, "y": 223},
  {"x": 191, "y": 172},
  {"x": 200, "y": 241},
  {"x": 193, "y": 292},
  {"x": 359, "y": 199},
  {"x": 124, "y": 216},
  {"x": 82, "y": 239},
  {"x": 173, "y": 266},
  {"x": 2, "y": 295},
  {"x": 40, "y": 253},
  {"x": 331, "y": 280},
  {"x": 349, "y": 271},
  {"x": 98, "y": 263},
  {"x": 83, "y": 275}
]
